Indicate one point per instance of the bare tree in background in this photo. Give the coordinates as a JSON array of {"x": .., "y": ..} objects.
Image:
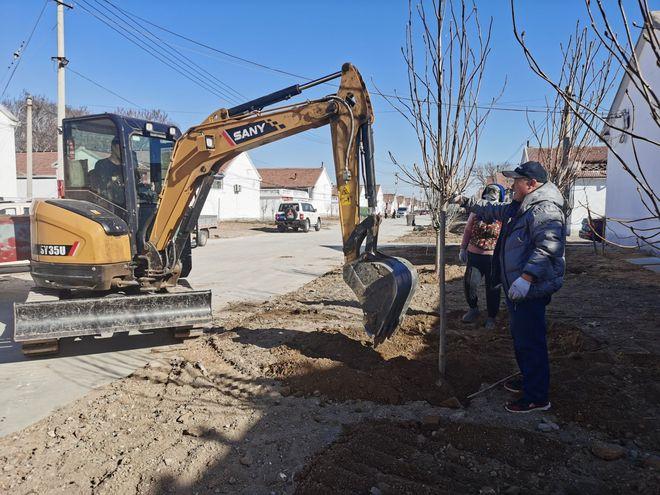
[
  {"x": 151, "y": 114},
  {"x": 445, "y": 56},
  {"x": 44, "y": 121},
  {"x": 563, "y": 138},
  {"x": 487, "y": 173},
  {"x": 621, "y": 48}
]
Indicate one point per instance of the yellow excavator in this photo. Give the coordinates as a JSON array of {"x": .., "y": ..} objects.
[{"x": 112, "y": 254}]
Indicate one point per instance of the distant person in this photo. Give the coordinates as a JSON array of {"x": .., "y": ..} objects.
[
  {"x": 479, "y": 239},
  {"x": 529, "y": 260}
]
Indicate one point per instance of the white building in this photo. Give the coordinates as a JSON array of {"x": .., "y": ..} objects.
[
  {"x": 588, "y": 191},
  {"x": 8, "y": 123},
  {"x": 391, "y": 204},
  {"x": 631, "y": 112},
  {"x": 290, "y": 184},
  {"x": 235, "y": 194},
  {"x": 44, "y": 175},
  {"x": 380, "y": 201}
]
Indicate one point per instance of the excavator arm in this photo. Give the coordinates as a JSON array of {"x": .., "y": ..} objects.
[{"x": 383, "y": 284}]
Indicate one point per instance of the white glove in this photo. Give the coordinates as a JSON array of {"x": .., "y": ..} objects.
[
  {"x": 519, "y": 289},
  {"x": 462, "y": 256}
]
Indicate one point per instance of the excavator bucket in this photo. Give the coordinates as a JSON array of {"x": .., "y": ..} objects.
[{"x": 384, "y": 286}]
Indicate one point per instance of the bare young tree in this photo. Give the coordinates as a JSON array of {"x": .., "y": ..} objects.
[
  {"x": 622, "y": 50},
  {"x": 562, "y": 138},
  {"x": 445, "y": 55}
]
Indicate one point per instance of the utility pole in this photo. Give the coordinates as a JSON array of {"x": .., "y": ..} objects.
[
  {"x": 61, "y": 94},
  {"x": 28, "y": 146}
]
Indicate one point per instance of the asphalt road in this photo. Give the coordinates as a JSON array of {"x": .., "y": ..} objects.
[{"x": 251, "y": 268}]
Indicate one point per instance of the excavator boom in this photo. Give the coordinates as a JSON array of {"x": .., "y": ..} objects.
[{"x": 383, "y": 284}]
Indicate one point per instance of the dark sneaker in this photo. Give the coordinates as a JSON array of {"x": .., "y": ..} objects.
[
  {"x": 471, "y": 316},
  {"x": 490, "y": 324},
  {"x": 514, "y": 385},
  {"x": 522, "y": 407}
]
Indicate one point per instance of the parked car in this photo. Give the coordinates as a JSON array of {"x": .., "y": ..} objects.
[
  {"x": 297, "y": 215},
  {"x": 594, "y": 231},
  {"x": 402, "y": 211}
]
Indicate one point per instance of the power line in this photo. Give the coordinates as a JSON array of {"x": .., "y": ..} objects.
[
  {"x": 540, "y": 109},
  {"x": 184, "y": 58},
  {"x": 103, "y": 87},
  {"x": 22, "y": 50},
  {"x": 149, "y": 49},
  {"x": 217, "y": 50}
]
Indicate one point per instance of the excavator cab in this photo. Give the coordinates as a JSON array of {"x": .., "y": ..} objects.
[{"x": 118, "y": 163}]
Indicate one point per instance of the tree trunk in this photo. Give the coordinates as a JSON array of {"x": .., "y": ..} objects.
[
  {"x": 437, "y": 252},
  {"x": 442, "y": 309}
]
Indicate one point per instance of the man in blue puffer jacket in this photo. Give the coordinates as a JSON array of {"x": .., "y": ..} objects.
[{"x": 529, "y": 263}]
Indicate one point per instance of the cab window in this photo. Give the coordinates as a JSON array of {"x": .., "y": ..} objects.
[
  {"x": 93, "y": 160},
  {"x": 152, "y": 157}
]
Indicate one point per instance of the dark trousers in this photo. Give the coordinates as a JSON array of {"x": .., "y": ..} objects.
[
  {"x": 528, "y": 329},
  {"x": 478, "y": 268}
]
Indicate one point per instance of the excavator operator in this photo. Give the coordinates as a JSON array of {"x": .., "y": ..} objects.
[{"x": 107, "y": 177}]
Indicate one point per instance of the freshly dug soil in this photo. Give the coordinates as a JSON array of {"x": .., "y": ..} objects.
[{"x": 411, "y": 458}]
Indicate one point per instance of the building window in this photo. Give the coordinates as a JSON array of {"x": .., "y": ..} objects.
[{"x": 218, "y": 183}]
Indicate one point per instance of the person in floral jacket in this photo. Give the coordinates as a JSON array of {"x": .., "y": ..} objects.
[{"x": 479, "y": 239}]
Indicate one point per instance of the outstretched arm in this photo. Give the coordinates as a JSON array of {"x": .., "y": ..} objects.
[{"x": 489, "y": 212}]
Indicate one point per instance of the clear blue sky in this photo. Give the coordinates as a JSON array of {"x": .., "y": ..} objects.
[{"x": 310, "y": 38}]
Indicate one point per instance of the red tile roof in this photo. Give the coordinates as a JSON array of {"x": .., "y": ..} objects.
[
  {"x": 593, "y": 159},
  {"x": 499, "y": 178},
  {"x": 389, "y": 198},
  {"x": 43, "y": 164},
  {"x": 290, "y": 178}
]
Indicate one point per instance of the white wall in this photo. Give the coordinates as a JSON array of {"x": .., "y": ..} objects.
[
  {"x": 392, "y": 207},
  {"x": 42, "y": 187},
  {"x": 225, "y": 202},
  {"x": 322, "y": 194},
  {"x": 271, "y": 199},
  {"x": 623, "y": 201},
  {"x": 586, "y": 193},
  {"x": 8, "y": 187}
]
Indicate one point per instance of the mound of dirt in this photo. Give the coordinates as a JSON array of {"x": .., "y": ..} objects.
[{"x": 340, "y": 364}]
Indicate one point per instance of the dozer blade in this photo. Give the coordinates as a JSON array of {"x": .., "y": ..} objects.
[
  {"x": 384, "y": 286},
  {"x": 54, "y": 319}
]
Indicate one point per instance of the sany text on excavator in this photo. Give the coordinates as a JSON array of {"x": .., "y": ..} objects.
[{"x": 112, "y": 254}]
